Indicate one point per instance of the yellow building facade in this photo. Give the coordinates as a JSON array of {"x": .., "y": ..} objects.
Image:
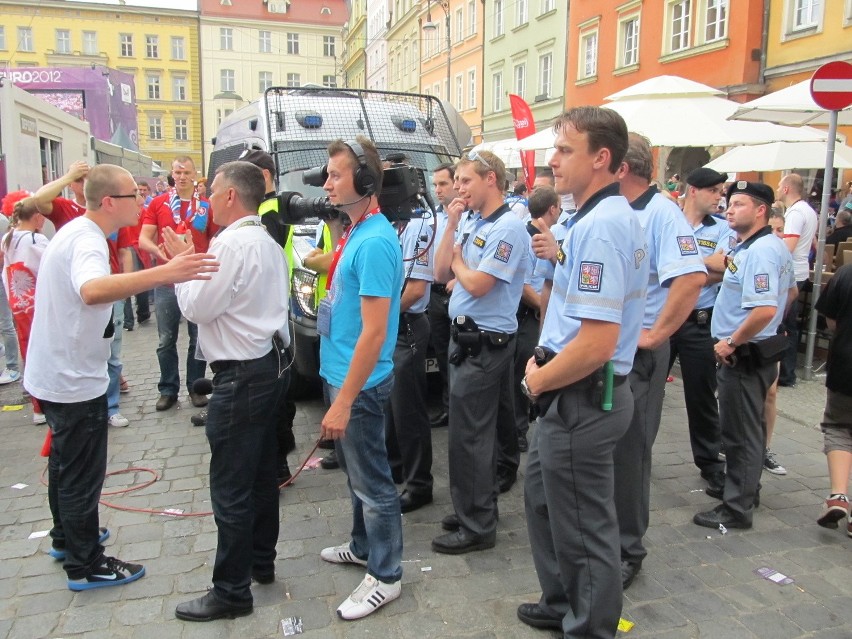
[
  {"x": 158, "y": 47},
  {"x": 354, "y": 62}
]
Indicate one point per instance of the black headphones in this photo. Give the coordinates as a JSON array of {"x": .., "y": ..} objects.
[{"x": 364, "y": 179}]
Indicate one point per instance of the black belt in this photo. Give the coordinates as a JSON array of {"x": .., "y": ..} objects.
[
  {"x": 224, "y": 364},
  {"x": 440, "y": 289},
  {"x": 701, "y": 315},
  {"x": 411, "y": 316},
  {"x": 593, "y": 378},
  {"x": 495, "y": 339}
]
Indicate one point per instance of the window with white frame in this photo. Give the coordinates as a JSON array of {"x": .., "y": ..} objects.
[
  {"x": 294, "y": 80},
  {"x": 328, "y": 46},
  {"x": 588, "y": 55},
  {"x": 497, "y": 91},
  {"x": 152, "y": 46},
  {"x": 499, "y": 24},
  {"x": 520, "y": 75},
  {"x": 264, "y": 41},
  {"x": 679, "y": 21},
  {"x": 459, "y": 92},
  {"x": 181, "y": 129},
  {"x": 545, "y": 75},
  {"x": 178, "y": 49},
  {"x": 459, "y": 25},
  {"x": 716, "y": 20},
  {"x": 179, "y": 89},
  {"x": 293, "y": 43},
  {"x": 471, "y": 88},
  {"x": 471, "y": 17},
  {"x": 226, "y": 80},
  {"x": 521, "y": 12},
  {"x": 125, "y": 45},
  {"x": 25, "y": 39},
  {"x": 2, "y": 38},
  {"x": 436, "y": 90},
  {"x": 63, "y": 41},
  {"x": 806, "y": 13},
  {"x": 155, "y": 127},
  {"x": 153, "y": 83},
  {"x": 90, "y": 43},
  {"x": 548, "y": 5},
  {"x": 264, "y": 80},
  {"x": 628, "y": 41},
  {"x": 226, "y": 38},
  {"x": 329, "y": 81}
]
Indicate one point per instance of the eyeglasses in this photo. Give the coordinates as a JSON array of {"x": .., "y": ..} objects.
[
  {"x": 473, "y": 156},
  {"x": 118, "y": 197}
]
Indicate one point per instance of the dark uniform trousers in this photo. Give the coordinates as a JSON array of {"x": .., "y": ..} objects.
[
  {"x": 693, "y": 344},
  {"x": 408, "y": 435},
  {"x": 571, "y": 518},
  {"x": 742, "y": 393},
  {"x": 439, "y": 324},
  {"x": 633, "y": 452},
  {"x": 528, "y": 330},
  {"x": 481, "y": 423}
]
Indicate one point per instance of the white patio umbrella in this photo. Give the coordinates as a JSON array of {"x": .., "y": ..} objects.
[
  {"x": 793, "y": 105},
  {"x": 780, "y": 156},
  {"x": 508, "y": 151}
]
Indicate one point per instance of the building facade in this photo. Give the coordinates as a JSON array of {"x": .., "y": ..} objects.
[
  {"x": 157, "y": 47},
  {"x": 525, "y": 54},
  {"x": 377, "y": 45},
  {"x": 354, "y": 46},
  {"x": 248, "y": 46},
  {"x": 403, "y": 37}
]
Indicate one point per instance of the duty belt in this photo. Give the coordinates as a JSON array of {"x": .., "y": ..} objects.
[
  {"x": 440, "y": 289},
  {"x": 701, "y": 316}
]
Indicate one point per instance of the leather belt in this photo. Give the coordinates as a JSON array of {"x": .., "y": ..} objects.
[{"x": 701, "y": 316}]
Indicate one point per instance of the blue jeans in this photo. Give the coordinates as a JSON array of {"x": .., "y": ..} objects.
[
  {"x": 7, "y": 329},
  {"x": 241, "y": 421},
  {"x": 76, "y": 471},
  {"x": 168, "y": 320},
  {"x": 376, "y": 518},
  {"x": 114, "y": 362}
]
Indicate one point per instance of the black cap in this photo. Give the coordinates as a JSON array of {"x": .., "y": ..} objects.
[
  {"x": 757, "y": 190},
  {"x": 260, "y": 159},
  {"x": 704, "y": 178}
]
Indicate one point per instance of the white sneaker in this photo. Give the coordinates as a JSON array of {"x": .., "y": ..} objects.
[
  {"x": 118, "y": 421},
  {"x": 8, "y": 376},
  {"x": 368, "y": 597},
  {"x": 341, "y": 555},
  {"x": 39, "y": 418}
]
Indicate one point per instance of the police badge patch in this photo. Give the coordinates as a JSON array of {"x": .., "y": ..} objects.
[
  {"x": 503, "y": 252},
  {"x": 591, "y": 274},
  {"x": 686, "y": 244},
  {"x": 422, "y": 258},
  {"x": 479, "y": 241},
  {"x": 761, "y": 283}
]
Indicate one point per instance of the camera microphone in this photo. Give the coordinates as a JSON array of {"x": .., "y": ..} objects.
[{"x": 202, "y": 386}]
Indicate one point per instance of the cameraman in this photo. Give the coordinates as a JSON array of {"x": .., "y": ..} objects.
[{"x": 357, "y": 322}]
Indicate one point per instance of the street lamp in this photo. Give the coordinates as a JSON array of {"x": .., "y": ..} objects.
[{"x": 433, "y": 26}]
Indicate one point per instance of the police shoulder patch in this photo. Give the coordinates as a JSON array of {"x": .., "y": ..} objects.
[
  {"x": 761, "y": 283},
  {"x": 422, "y": 258},
  {"x": 686, "y": 244},
  {"x": 503, "y": 252},
  {"x": 479, "y": 241},
  {"x": 591, "y": 275}
]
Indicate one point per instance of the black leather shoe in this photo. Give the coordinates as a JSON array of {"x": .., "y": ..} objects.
[
  {"x": 523, "y": 446},
  {"x": 263, "y": 577},
  {"x": 715, "y": 484},
  {"x": 200, "y": 418},
  {"x": 721, "y": 514},
  {"x": 409, "y": 501},
  {"x": 629, "y": 570},
  {"x": 441, "y": 419},
  {"x": 166, "y": 402},
  {"x": 450, "y": 522},
  {"x": 532, "y": 615},
  {"x": 460, "y": 542},
  {"x": 208, "y": 608},
  {"x": 505, "y": 480},
  {"x": 199, "y": 401},
  {"x": 715, "y": 493},
  {"x": 329, "y": 462},
  {"x": 326, "y": 444}
]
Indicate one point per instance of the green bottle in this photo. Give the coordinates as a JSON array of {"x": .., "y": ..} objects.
[{"x": 606, "y": 396}]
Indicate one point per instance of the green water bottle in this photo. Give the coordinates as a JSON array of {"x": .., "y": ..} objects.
[{"x": 606, "y": 396}]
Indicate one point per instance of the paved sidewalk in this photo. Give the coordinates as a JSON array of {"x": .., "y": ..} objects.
[{"x": 696, "y": 582}]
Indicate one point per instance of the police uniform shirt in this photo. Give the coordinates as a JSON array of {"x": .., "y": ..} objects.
[
  {"x": 441, "y": 220},
  {"x": 544, "y": 268},
  {"x": 760, "y": 274},
  {"x": 602, "y": 274},
  {"x": 499, "y": 248},
  {"x": 712, "y": 236},
  {"x": 418, "y": 254},
  {"x": 672, "y": 248},
  {"x": 536, "y": 280}
]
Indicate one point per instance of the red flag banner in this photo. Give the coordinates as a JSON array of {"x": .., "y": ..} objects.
[{"x": 522, "y": 118}]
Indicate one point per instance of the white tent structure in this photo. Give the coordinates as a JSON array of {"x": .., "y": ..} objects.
[
  {"x": 780, "y": 156},
  {"x": 792, "y": 106},
  {"x": 508, "y": 151}
]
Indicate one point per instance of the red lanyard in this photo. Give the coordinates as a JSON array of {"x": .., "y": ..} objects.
[{"x": 338, "y": 250}]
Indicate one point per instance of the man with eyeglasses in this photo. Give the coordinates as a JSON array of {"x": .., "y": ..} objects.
[
  {"x": 692, "y": 343},
  {"x": 486, "y": 255},
  {"x": 66, "y": 366}
]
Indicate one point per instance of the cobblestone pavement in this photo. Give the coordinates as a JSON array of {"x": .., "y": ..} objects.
[{"x": 694, "y": 583}]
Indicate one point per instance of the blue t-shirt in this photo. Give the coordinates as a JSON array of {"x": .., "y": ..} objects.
[
  {"x": 760, "y": 274},
  {"x": 417, "y": 258},
  {"x": 712, "y": 236},
  {"x": 371, "y": 265},
  {"x": 499, "y": 248},
  {"x": 601, "y": 274},
  {"x": 672, "y": 248}
]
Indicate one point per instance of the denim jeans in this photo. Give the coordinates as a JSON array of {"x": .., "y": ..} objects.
[
  {"x": 76, "y": 471},
  {"x": 241, "y": 423},
  {"x": 376, "y": 518},
  {"x": 114, "y": 362},
  {"x": 168, "y": 321},
  {"x": 143, "y": 310},
  {"x": 7, "y": 329}
]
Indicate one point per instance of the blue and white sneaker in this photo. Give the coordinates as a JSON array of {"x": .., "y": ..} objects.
[
  {"x": 8, "y": 376},
  {"x": 110, "y": 572},
  {"x": 59, "y": 553}
]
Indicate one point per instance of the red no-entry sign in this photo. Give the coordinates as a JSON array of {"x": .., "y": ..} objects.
[{"x": 831, "y": 86}]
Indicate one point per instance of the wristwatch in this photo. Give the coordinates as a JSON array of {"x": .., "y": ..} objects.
[
  {"x": 526, "y": 389},
  {"x": 730, "y": 342}
]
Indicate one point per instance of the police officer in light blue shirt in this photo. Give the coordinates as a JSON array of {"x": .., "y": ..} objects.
[
  {"x": 692, "y": 342},
  {"x": 590, "y": 333},
  {"x": 487, "y": 257},
  {"x": 676, "y": 275},
  {"x": 757, "y": 288}
]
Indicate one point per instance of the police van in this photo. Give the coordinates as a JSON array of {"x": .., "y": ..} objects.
[{"x": 295, "y": 126}]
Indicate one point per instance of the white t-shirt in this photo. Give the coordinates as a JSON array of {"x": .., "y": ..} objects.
[
  {"x": 67, "y": 355},
  {"x": 800, "y": 219}
]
